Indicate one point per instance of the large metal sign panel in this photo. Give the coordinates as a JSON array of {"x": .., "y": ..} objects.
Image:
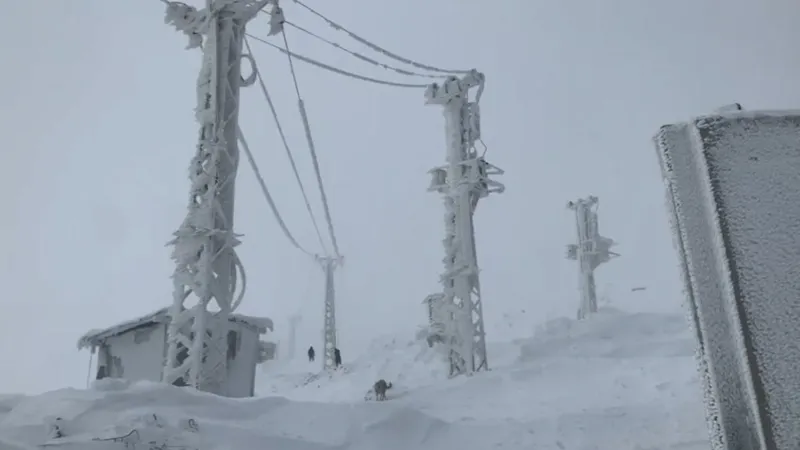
[{"x": 733, "y": 185}]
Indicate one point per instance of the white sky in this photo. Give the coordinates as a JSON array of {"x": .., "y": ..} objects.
[{"x": 97, "y": 115}]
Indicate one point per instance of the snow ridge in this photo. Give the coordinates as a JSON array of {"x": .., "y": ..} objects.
[{"x": 618, "y": 380}]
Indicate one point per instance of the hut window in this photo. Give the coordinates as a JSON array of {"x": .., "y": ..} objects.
[{"x": 232, "y": 341}]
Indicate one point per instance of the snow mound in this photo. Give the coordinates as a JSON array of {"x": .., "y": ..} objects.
[
  {"x": 612, "y": 334},
  {"x": 573, "y": 386},
  {"x": 408, "y": 364}
]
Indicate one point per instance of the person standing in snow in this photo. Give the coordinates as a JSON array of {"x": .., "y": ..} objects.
[
  {"x": 311, "y": 354},
  {"x": 337, "y": 357}
]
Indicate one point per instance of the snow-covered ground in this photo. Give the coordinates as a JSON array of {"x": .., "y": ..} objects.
[{"x": 617, "y": 381}]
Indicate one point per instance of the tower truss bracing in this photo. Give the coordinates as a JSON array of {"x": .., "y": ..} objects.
[
  {"x": 206, "y": 265},
  {"x": 329, "y": 345},
  {"x": 591, "y": 251},
  {"x": 458, "y": 313}
]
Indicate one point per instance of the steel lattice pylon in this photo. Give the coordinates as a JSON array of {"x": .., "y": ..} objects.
[
  {"x": 206, "y": 264},
  {"x": 456, "y": 315},
  {"x": 329, "y": 345}
]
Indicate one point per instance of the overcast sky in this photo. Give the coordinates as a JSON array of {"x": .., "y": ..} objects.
[{"x": 97, "y": 115}]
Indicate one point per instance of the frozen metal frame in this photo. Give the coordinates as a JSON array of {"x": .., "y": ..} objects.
[
  {"x": 590, "y": 251},
  {"x": 457, "y": 315},
  {"x": 206, "y": 264},
  {"x": 329, "y": 345}
]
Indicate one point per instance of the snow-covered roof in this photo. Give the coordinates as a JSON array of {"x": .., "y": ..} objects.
[{"x": 95, "y": 337}]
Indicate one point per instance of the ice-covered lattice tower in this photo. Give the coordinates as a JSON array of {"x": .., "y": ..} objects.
[
  {"x": 291, "y": 345},
  {"x": 590, "y": 251},
  {"x": 733, "y": 187},
  {"x": 329, "y": 346},
  {"x": 206, "y": 264},
  {"x": 457, "y": 314}
]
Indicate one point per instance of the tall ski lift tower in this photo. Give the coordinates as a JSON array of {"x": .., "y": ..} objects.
[
  {"x": 457, "y": 314},
  {"x": 590, "y": 251},
  {"x": 206, "y": 264}
]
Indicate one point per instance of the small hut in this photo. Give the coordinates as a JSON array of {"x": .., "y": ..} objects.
[{"x": 136, "y": 350}]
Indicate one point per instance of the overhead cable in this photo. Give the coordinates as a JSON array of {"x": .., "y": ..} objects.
[
  {"x": 312, "y": 149},
  {"x": 337, "y": 70},
  {"x": 321, "y": 65},
  {"x": 285, "y": 145},
  {"x": 378, "y": 48},
  {"x": 360, "y": 56},
  {"x": 267, "y": 195}
]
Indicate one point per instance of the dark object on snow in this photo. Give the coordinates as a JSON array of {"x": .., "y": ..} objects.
[
  {"x": 641, "y": 288},
  {"x": 337, "y": 357},
  {"x": 311, "y": 353},
  {"x": 380, "y": 387},
  {"x": 730, "y": 108},
  {"x": 55, "y": 429}
]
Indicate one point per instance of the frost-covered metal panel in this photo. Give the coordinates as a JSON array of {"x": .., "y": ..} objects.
[
  {"x": 725, "y": 417},
  {"x": 754, "y": 169},
  {"x": 137, "y": 354},
  {"x": 673, "y": 134},
  {"x": 736, "y": 186}
]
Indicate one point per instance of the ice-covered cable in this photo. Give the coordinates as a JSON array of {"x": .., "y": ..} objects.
[
  {"x": 237, "y": 263},
  {"x": 378, "y": 48},
  {"x": 312, "y": 149},
  {"x": 337, "y": 70},
  {"x": 267, "y": 195},
  {"x": 314, "y": 159},
  {"x": 286, "y": 146},
  {"x": 360, "y": 56}
]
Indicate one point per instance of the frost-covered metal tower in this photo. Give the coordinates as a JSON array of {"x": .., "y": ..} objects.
[
  {"x": 205, "y": 275},
  {"x": 329, "y": 265},
  {"x": 458, "y": 313},
  {"x": 590, "y": 251}
]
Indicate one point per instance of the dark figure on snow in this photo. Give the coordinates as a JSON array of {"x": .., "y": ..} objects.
[
  {"x": 311, "y": 354},
  {"x": 337, "y": 357}
]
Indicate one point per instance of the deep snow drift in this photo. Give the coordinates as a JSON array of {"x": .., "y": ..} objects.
[{"x": 616, "y": 381}]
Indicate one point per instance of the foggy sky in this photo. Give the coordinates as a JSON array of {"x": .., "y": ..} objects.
[{"x": 98, "y": 122}]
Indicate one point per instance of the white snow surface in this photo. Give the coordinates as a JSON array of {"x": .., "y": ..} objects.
[{"x": 616, "y": 381}]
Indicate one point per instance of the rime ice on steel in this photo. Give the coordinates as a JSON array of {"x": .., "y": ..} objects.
[
  {"x": 590, "y": 251},
  {"x": 457, "y": 314},
  {"x": 733, "y": 182},
  {"x": 206, "y": 265}
]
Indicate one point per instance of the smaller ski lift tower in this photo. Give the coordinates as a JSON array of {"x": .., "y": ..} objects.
[
  {"x": 206, "y": 265},
  {"x": 291, "y": 345},
  {"x": 329, "y": 265},
  {"x": 590, "y": 251},
  {"x": 458, "y": 312}
]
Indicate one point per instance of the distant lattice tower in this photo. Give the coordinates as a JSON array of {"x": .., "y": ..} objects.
[
  {"x": 291, "y": 345},
  {"x": 329, "y": 334},
  {"x": 591, "y": 251}
]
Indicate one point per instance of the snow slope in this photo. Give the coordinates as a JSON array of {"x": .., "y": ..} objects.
[{"x": 618, "y": 381}]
